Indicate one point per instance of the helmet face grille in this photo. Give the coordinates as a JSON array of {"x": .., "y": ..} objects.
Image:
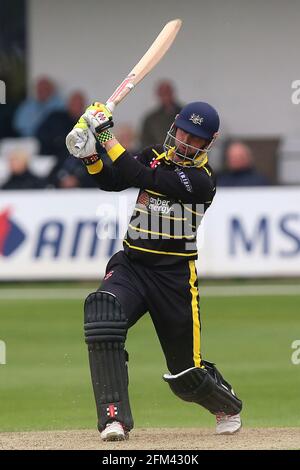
[{"x": 191, "y": 156}]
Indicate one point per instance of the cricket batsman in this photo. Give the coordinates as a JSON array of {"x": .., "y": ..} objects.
[{"x": 155, "y": 272}]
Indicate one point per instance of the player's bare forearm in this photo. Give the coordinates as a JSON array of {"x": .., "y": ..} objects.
[{"x": 110, "y": 144}]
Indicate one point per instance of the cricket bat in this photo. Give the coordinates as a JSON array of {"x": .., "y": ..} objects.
[{"x": 149, "y": 60}]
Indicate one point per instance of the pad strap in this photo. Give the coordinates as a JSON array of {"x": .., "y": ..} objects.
[{"x": 206, "y": 387}]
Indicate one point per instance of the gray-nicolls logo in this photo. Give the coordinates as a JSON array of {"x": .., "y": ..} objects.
[
  {"x": 196, "y": 119},
  {"x": 2, "y": 92}
]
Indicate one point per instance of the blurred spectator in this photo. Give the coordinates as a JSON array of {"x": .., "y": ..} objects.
[
  {"x": 6, "y": 117},
  {"x": 157, "y": 123},
  {"x": 127, "y": 137},
  {"x": 34, "y": 110},
  {"x": 240, "y": 170},
  {"x": 73, "y": 174},
  {"x": 20, "y": 175},
  {"x": 68, "y": 171},
  {"x": 53, "y": 130},
  {"x": 13, "y": 44}
]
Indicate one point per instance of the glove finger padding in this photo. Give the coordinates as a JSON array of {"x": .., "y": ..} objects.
[
  {"x": 75, "y": 141},
  {"x": 81, "y": 142}
]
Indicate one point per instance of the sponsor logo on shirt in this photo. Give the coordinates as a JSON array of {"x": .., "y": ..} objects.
[
  {"x": 160, "y": 205},
  {"x": 184, "y": 179},
  {"x": 155, "y": 203}
]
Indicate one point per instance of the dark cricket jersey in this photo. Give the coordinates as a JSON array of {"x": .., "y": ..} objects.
[{"x": 169, "y": 207}]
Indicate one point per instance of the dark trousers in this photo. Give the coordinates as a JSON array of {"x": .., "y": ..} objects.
[{"x": 170, "y": 295}]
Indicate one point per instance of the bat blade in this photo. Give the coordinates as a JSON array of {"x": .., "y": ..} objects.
[{"x": 149, "y": 60}]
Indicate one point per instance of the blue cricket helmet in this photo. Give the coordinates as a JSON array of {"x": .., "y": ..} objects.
[{"x": 200, "y": 119}]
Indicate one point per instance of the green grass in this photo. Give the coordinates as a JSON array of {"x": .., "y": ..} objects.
[{"x": 46, "y": 385}]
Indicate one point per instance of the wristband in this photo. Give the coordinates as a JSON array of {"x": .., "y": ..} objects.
[
  {"x": 115, "y": 152},
  {"x": 104, "y": 137},
  {"x": 91, "y": 159},
  {"x": 95, "y": 168},
  {"x": 93, "y": 164}
]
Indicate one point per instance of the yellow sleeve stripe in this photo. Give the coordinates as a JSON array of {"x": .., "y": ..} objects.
[
  {"x": 95, "y": 168},
  {"x": 159, "y": 252},
  {"x": 115, "y": 152}
]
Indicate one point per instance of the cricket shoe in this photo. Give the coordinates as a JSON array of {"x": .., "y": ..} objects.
[
  {"x": 228, "y": 424},
  {"x": 114, "y": 431}
]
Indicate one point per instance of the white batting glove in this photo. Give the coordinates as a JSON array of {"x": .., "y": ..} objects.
[
  {"x": 98, "y": 117},
  {"x": 81, "y": 142}
]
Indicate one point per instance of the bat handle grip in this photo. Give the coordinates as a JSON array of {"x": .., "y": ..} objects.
[{"x": 111, "y": 106}]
